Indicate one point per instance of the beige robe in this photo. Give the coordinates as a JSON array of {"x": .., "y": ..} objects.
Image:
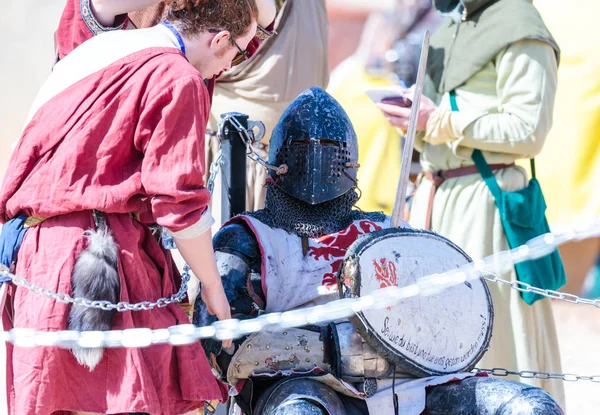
[{"x": 505, "y": 110}]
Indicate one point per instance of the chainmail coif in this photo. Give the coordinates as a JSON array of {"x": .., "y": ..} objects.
[{"x": 311, "y": 221}]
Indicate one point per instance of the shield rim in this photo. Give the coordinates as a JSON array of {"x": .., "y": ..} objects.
[{"x": 363, "y": 327}]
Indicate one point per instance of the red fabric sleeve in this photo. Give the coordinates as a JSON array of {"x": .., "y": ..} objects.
[
  {"x": 170, "y": 133},
  {"x": 270, "y": 28},
  {"x": 77, "y": 24},
  {"x": 253, "y": 46}
]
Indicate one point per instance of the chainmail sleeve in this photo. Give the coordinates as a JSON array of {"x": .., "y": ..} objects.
[{"x": 238, "y": 262}]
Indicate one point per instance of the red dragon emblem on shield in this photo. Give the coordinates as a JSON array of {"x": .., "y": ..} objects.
[
  {"x": 333, "y": 248},
  {"x": 385, "y": 272}
]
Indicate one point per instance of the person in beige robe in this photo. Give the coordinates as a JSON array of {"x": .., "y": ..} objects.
[{"x": 505, "y": 110}]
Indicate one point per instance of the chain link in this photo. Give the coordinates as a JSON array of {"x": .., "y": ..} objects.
[
  {"x": 382, "y": 298},
  {"x": 555, "y": 295},
  {"x": 530, "y": 374},
  {"x": 250, "y": 152},
  {"x": 101, "y": 304},
  {"x": 215, "y": 166}
]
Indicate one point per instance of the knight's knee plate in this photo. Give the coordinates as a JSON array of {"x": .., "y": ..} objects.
[
  {"x": 299, "y": 396},
  {"x": 531, "y": 401},
  {"x": 478, "y": 395}
]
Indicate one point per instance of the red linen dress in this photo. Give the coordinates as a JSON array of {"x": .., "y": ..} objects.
[{"x": 128, "y": 138}]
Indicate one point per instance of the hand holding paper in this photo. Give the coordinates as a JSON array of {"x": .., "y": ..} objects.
[{"x": 398, "y": 116}]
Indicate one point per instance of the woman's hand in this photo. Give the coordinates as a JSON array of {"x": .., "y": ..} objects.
[
  {"x": 399, "y": 116},
  {"x": 216, "y": 302}
]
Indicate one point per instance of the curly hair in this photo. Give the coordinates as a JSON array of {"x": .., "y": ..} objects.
[{"x": 195, "y": 16}]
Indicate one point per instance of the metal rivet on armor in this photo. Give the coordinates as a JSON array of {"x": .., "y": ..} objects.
[
  {"x": 249, "y": 346},
  {"x": 268, "y": 346},
  {"x": 307, "y": 360},
  {"x": 255, "y": 363},
  {"x": 287, "y": 347},
  {"x": 322, "y": 349},
  {"x": 306, "y": 348},
  {"x": 285, "y": 333}
]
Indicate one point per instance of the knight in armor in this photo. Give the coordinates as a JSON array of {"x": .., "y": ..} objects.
[{"x": 287, "y": 256}]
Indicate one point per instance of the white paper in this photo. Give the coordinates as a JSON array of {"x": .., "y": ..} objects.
[{"x": 379, "y": 94}]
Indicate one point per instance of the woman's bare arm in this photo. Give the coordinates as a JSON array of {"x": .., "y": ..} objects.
[{"x": 266, "y": 12}]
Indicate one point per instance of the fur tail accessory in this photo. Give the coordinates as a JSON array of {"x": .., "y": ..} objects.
[{"x": 95, "y": 277}]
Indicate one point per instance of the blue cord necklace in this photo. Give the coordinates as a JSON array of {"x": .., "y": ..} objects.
[{"x": 177, "y": 35}]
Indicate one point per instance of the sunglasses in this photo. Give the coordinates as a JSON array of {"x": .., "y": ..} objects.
[
  {"x": 241, "y": 56},
  {"x": 244, "y": 55}
]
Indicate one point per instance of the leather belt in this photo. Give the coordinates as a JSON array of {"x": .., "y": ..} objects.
[{"x": 439, "y": 177}]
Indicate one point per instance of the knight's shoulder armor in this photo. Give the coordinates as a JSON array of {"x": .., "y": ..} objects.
[
  {"x": 372, "y": 216},
  {"x": 237, "y": 237}
]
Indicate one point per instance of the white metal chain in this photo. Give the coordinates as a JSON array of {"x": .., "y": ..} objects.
[
  {"x": 220, "y": 330},
  {"x": 250, "y": 152},
  {"x": 530, "y": 374},
  {"x": 556, "y": 295},
  {"x": 102, "y": 304},
  {"x": 215, "y": 166}
]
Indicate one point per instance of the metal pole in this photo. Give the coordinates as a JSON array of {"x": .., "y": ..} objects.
[{"x": 233, "y": 182}]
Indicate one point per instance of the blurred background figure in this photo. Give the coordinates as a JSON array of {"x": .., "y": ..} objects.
[{"x": 386, "y": 53}]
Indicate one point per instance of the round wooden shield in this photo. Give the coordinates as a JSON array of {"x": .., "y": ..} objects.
[{"x": 447, "y": 332}]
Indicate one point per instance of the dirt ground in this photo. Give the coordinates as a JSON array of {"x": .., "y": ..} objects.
[{"x": 578, "y": 327}]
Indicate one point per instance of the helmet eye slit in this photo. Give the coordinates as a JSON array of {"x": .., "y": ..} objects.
[{"x": 328, "y": 142}]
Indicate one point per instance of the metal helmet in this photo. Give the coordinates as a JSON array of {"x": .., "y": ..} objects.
[{"x": 315, "y": 139}]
